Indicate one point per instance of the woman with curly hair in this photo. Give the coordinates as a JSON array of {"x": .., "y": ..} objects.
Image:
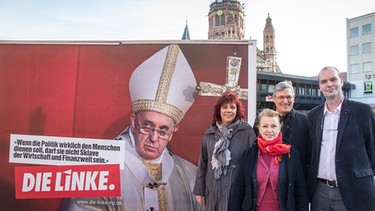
[{"x": 224, "y": 142}]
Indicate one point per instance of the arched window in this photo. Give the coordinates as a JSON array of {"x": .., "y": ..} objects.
[
  {"x": 217, "y": 20},
  {"x": 222, "y": 20}
]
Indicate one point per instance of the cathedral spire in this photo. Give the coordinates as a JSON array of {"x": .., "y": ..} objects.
[{"x": 186, "y": 34}]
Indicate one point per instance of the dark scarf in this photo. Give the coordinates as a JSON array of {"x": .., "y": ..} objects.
[
  {"x": 221, "y": 154},
  {"x": 275, "y": 148}
]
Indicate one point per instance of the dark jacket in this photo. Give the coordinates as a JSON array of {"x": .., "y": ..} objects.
[
  {"x": 292, "y": 188},
  {"x": 295, "y": 130},
  {"x": 355, "y": 153},
  {"x": 217, "y": 192}
]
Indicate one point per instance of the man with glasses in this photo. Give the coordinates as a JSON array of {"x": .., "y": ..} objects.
[
  {"x": 341, "y": 172},
  {"x": 162, "y": 89},
  {"x": 294, "y": 124}
]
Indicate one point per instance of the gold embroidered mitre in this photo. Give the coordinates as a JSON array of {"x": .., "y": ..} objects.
[{"x": 164, "y": 83}]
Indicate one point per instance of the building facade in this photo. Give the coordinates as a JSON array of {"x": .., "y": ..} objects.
[
  {"x": 226, "y": 20},
  {"x": 268, "y": 63},
  {"x": 361, "y": 57},
  {"x": 306, "y": 90}
]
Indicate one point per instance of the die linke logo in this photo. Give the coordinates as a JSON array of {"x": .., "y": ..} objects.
[{"x": 67, "y": 181}]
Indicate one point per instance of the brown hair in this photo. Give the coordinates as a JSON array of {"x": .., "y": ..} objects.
[
  {"x": 228, "y": 97},
  {"x": 328, "y": 68}
]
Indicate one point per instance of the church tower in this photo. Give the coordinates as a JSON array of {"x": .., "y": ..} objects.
[
  {"x": 226, "y": 20},
  {"x": 186, "y": 34},
  {"x": 269, "y": 46}
]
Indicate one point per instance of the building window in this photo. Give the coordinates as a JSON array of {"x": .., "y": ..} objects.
[
  {"x": 313, "y": 92},
  {"x": 367, "y": 87},
  {"x": 367, "y": 67},
  {"x": 271, "y": 88},
  {"x": 354, "y": 68},
  {"x": 301, "y": 91},
  {"x": 354, "y": 50},
  {"x": 354, "y": 32},
  {"x": 217, "y": 20},
  {"x": 366, "y": 47},
  {"x": 366, "y": 29},
  {"x": 308, "y": 91},
  {"x": 223, "y": 20},
  {"x": 263, "y": 88}
]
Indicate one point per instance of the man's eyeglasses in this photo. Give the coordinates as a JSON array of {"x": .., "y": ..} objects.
[
  {"x": 289, "y": 97},
  {"x": 147, "y": 129}
]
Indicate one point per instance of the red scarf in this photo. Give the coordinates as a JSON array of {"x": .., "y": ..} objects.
[{"x": 275, "y": 148}]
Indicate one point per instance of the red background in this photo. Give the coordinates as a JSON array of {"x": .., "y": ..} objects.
[
  {"x": 81, "y": 90},
  {"x": 112, "y": 178}
]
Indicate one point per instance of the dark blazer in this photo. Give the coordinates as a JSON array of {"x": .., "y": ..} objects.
[
  {"x": 292, "y": 188},
  {"x": 355, "y": 153},
  {"x": 295, "y": 130}
]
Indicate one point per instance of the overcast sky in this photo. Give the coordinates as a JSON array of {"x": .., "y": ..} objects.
[{"x": 309, "y": 34}]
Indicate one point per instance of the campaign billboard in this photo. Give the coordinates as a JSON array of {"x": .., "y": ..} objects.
[{"x": 81, "y": 90}]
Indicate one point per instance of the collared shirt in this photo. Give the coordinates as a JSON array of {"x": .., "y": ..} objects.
[{"x": 329, "y": 125}]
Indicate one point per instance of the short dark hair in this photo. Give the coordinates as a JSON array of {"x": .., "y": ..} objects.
[{"x": 327, "y": 68}]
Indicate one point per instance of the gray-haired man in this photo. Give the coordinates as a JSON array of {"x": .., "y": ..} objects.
[{"x": 294, "y": 124}]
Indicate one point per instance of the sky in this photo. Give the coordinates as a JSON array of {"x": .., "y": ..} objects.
[{"x": 308, "y": 34}]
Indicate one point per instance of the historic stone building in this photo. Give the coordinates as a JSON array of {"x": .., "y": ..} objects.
[{"x": 226, "y": 22}]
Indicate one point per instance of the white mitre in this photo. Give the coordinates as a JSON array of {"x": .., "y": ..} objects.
[{"x": 164, "y": 83}]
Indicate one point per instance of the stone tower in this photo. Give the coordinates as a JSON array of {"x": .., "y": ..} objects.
[
  {"x": 226, "y": 20},
  {"x": 269, "y": 46}
]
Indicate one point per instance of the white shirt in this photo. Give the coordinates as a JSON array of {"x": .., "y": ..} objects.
[{"x": 329, "y": 125}]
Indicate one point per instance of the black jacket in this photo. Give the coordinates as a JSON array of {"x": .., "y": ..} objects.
[{"x": 292, "y": 188}]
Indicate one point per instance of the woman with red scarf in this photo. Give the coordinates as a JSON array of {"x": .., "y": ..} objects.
[{"x": 271, "y": 177}]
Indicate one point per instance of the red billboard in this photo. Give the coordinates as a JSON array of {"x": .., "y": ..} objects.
[{"x": 81, "y": 89}]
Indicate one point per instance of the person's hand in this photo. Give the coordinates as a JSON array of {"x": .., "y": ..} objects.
[{"x": 200, "y": 199}]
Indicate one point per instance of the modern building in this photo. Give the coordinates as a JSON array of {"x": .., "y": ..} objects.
[
  {"x": 361, "y": 57},
  {"x": 306, "y": 89}
]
